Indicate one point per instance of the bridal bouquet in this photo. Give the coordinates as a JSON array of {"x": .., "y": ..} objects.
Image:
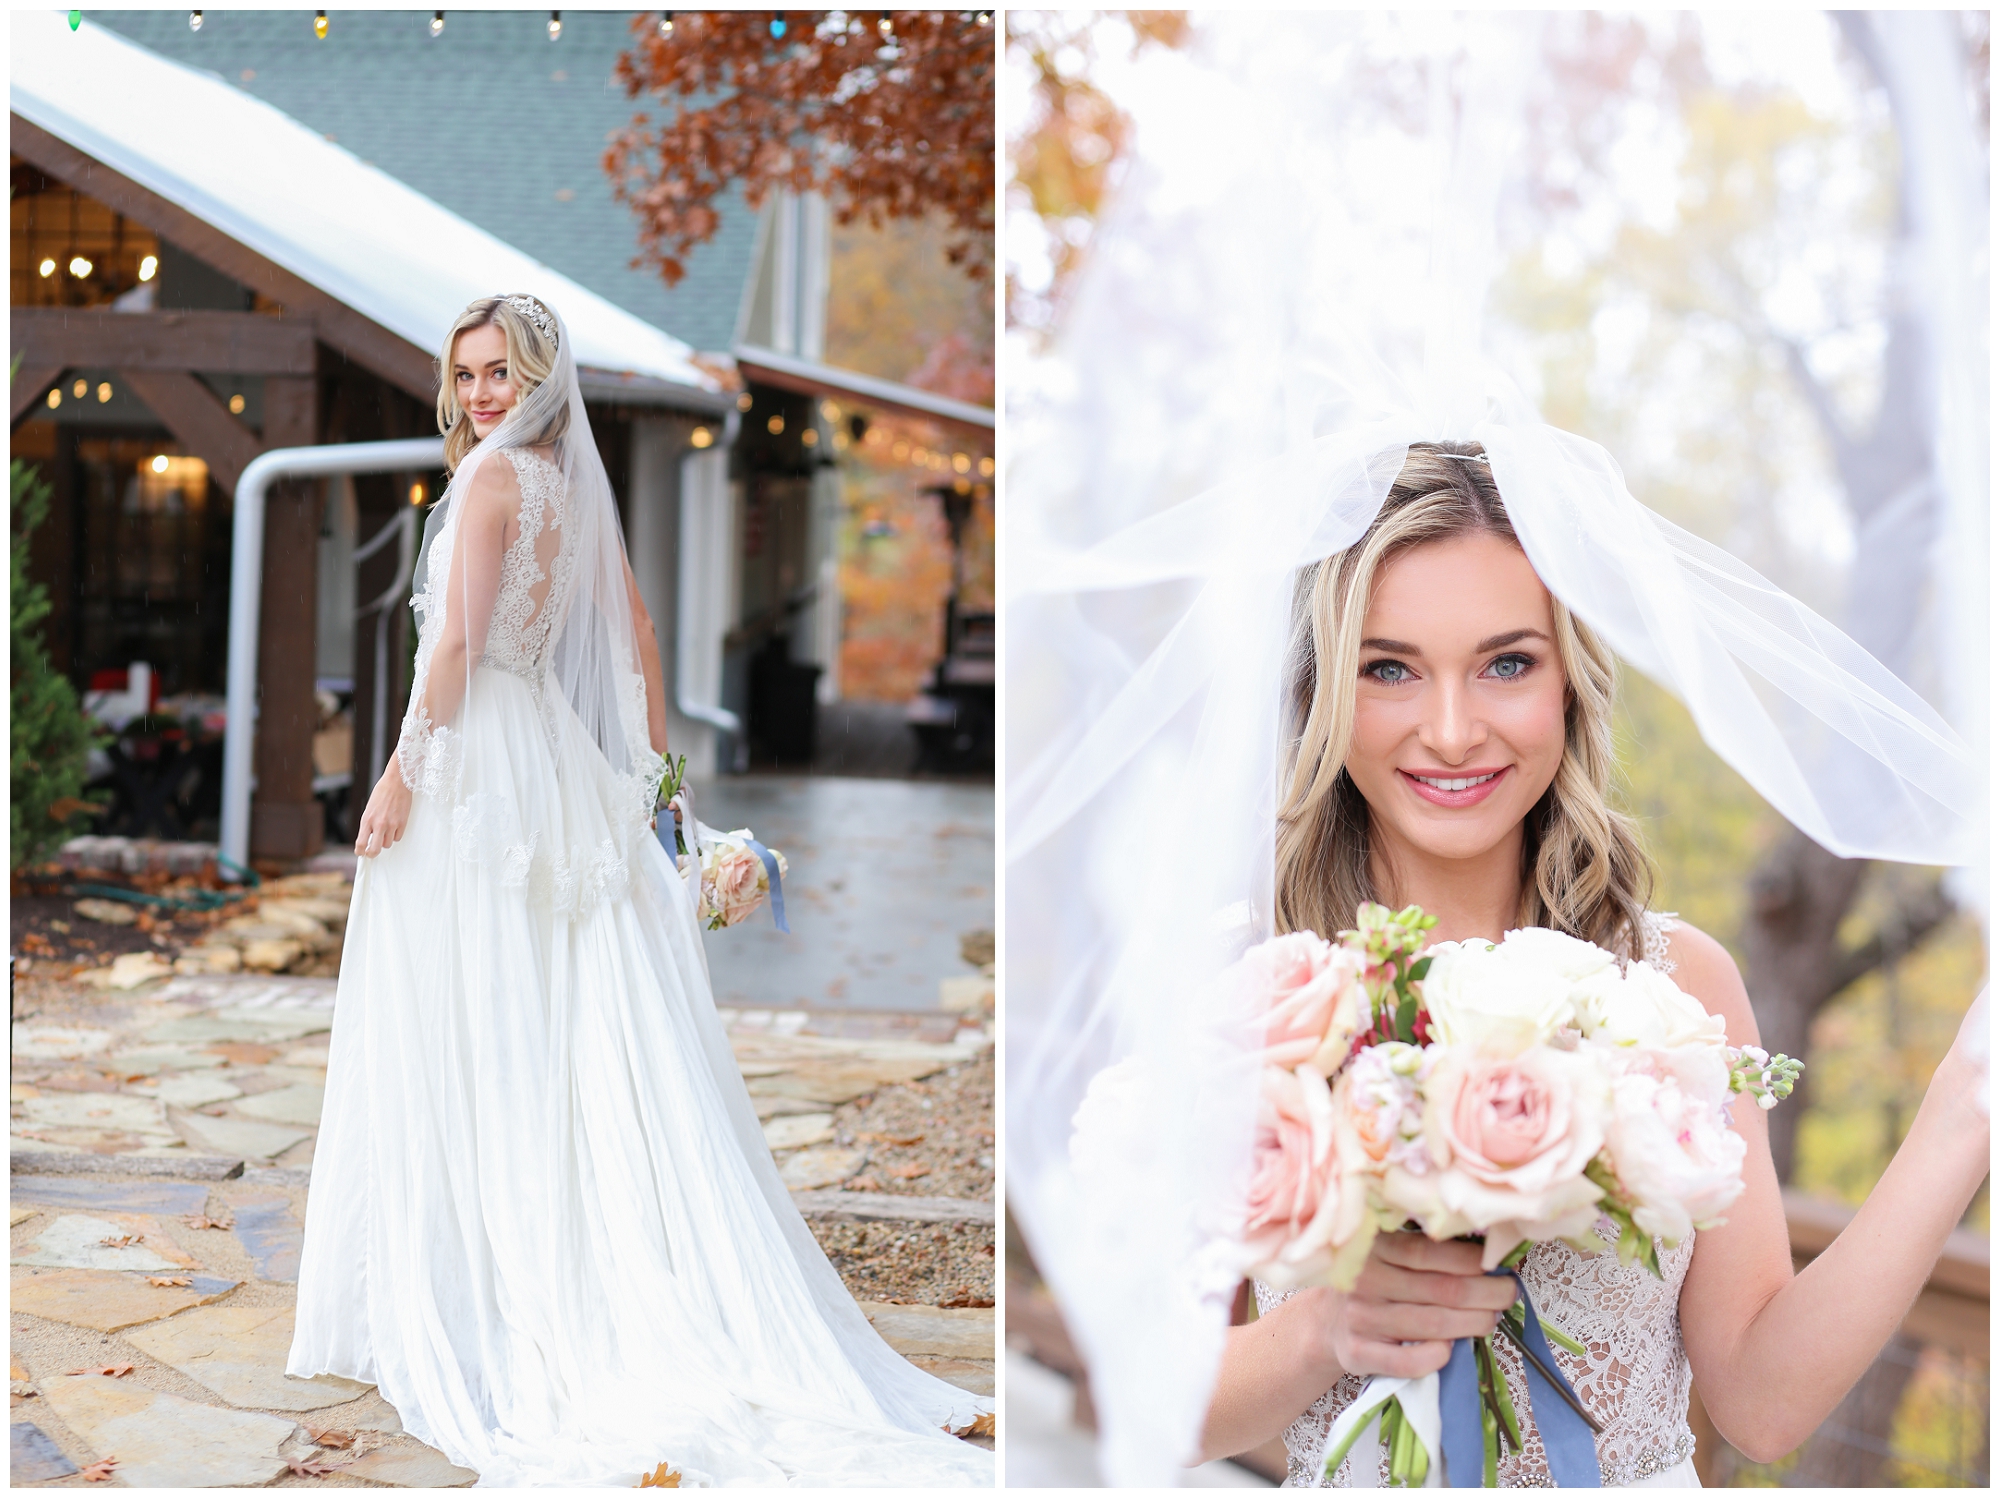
[
  {"x": 737, "y": 872},
  {"x": 1514, "y": 1093}
]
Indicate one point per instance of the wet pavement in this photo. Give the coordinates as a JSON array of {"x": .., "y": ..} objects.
[{"x": 886, "y": 876}]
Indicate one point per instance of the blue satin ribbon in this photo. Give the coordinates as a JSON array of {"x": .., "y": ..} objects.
[
  {"x": 777, "y": 884},
  {"x": 1567, "y": 1441}
]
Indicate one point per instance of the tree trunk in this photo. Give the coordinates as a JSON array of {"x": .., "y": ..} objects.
[{"x": 1798, "y": 899}]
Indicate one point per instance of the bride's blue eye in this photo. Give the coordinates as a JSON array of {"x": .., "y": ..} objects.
[
  {"x": 1511, "y": 667},
  {"x": 1389, "y": 673}
]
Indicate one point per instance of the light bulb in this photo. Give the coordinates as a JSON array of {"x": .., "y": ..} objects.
[
  {"x": 886, "y": 26},
  {"x": 667, "y": 26},
  {"x": 104, "y": 393},
  {"x": 160, "y": 463},
  {"x": 79, "y": 267},
  {"x": 777, "y": 26},
  {"x": 48, "y": 269},
  {"x": 961, "y": 463},
  {"x": 775, "y": 426},
  {"x": 555, "y": 24},
  {"x": 55, "y": 399},
  {"x": 416, "y": 493},
  {"x": 986, "y": 468},
  {"x": 148, "y": 268},
  {"x": 80, "y": 389},
  {"x": 319, "y": 24},
  {"x": 702, "y": 437},
  {"x": 236, "y": 405},
  {"x": 437, "y": 22},
  {"x": 194, "y": 20},
  {"x": 809, "y": 437},
  {"x": 743, "y": 401}
]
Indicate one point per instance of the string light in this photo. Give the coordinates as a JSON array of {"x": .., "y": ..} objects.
[
  {"x": 104, "y": 393},
  {"x": 775, "y": 426},
  {"x": 194, "y": 20},
  {"x": 743, "y": 401},
  {"x": 319, "y": 24},
  {"x": 148, "y": 268},
  {"x": 555, "y": 24},
  {"x": 417, "y": 493},
  {"x": 777, "y": 26},
  {"x": 55, "y": 399},
  {"x": 160, "y": 463},
  {"x": 667, "y": 29},
  {"x": 75, "y": 19},
  {"x": 702, "y": 437},
  {"x": 960, "y": 463},
  {"x": 437, "y": 23},
  {"x": 236, "y": 405},
  {"x": 809, "y": 437},
  {"x": 48, "y": 268},
  {"x": 80, "y": 389},
  {"x": 986, "y": 468},
  {"x": 886, "y": 26},
  {"x": 80, "y": 267}
]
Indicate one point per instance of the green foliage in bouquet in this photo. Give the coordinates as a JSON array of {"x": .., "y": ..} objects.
[
  {"x": 670, "y": 785},
  {"x": 51, "y": 735},
  {"x": 1389, "y": 942}
]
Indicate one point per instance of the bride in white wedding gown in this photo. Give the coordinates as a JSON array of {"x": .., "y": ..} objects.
[{"x": 544, "y": 1220}]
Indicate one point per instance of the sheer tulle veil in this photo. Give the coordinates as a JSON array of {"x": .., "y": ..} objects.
[
  {"x": 1248, "y": 356},
  {"x": 594, "y": 666}
]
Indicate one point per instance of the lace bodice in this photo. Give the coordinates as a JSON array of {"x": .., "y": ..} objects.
[
  {"x": 534, "y": 572},
  {"x": 1634, "y": 1381}
]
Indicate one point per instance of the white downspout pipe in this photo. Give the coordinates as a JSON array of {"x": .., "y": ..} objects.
[
  {"x": 685, "y": 632},
  {"x": 246, "y": 589}
]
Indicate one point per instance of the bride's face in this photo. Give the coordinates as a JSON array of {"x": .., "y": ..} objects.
[
  {"x": 1458, "y": 713},
  {"x": 481, "y": 379}
]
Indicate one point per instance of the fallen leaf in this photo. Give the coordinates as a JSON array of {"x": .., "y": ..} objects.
[
  {"x": 120, "y": 1240},
  {"x": 985, "y": 1425},
  {"x": 966, "y": 1300},
  {"x": 864, "y": 1183},
  {"x": 168, "y": 1281},
  {"x": 198, "y": 1220},
  {"x": 109, "y": 1370},
  {"x": 900, "y": 1141},
  {"x": 909, "y": 1172},
  {"x": 340, "y": 1440},
  {"x": 314, "y": 1468},
  {"x": 661, "y": 1476},
  {"x": 100, "y": 1471}
]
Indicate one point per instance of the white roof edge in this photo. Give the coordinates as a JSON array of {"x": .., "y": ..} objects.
[
  {"x": 277, "y": 187},
  {"x": 867, "y": 387}
]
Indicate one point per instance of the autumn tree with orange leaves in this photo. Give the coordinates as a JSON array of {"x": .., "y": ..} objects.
[{"x": 888, "y": 113}]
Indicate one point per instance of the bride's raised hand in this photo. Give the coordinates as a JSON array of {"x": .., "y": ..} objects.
[
  {"x": 387, "y": 813},
  {"x": 1414, "y": 1298}
]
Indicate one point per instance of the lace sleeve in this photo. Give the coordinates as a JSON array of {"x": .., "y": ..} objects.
[{"x": 454, "y": 607}]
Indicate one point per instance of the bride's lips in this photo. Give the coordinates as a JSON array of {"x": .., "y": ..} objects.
[{"x": 1470, "y": 796}]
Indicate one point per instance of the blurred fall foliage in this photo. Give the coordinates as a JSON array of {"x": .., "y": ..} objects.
[{"x": 891, "y": 115}]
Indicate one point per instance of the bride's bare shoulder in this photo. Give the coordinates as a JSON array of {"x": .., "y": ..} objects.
[{"x": 1704, "y": 970}]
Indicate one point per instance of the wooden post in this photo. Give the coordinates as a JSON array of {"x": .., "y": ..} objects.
[{"x": 286, "y": 821}]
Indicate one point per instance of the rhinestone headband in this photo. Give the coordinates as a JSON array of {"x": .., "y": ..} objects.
[
  {"x": 1467, "y": 457},
  {"x": 537, "y": 314}
]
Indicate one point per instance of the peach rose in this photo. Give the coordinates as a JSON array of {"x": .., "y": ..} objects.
[
  {"x": 1676, "y": 1158},
  {"x": 1307, "y": 1193},
  {"x": 734, "y": 885},
  {"x": 1512, "y": 1135},
  {"x": 1309, "y": 995}
]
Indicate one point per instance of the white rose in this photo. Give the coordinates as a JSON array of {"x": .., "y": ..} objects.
[
  {"x": 1553, "y": 951},
  {"x": 1483, "y": 997},
  {"x": 1646, "y": 1008},
  {"x": 1675, "y": 1157}
]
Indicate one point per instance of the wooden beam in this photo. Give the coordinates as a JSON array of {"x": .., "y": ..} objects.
[
  {"x": 351, "y": 333},
  {"x": 217, "y": 342},
  {"x": 31, "y": 382},
  {"x": 197, "y": 416}
]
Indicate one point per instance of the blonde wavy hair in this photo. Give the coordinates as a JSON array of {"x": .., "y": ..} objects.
[
  {"x": 1583, "y": 871},
  {"x": 531, "y": 357}
]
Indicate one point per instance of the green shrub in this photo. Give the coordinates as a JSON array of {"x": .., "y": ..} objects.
[{"x": 52, "y": 737}]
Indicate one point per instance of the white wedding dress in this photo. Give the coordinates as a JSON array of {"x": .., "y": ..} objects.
[
  {"x": 544, "y": 1220},
  {"x": 1634, "y": 1379}
]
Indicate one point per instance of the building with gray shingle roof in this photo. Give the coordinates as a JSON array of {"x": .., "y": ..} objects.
[{"x": 488, "y": 77}]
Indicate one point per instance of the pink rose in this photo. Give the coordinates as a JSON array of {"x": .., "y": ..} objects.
[
  {"x": 1309, "y": 995},
  {"x": 1292, "y": 1163},
  {"x": 733, "y": 885},
  {"x": 1675, "y": 1156},
  {"x": 1513, "y": 1135}
]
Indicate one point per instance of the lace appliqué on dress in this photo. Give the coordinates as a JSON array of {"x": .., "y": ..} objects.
[{"x": 1654, "y": 928}]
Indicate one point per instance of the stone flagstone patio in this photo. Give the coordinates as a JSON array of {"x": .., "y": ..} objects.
[{"x": 162, "y": 1141}]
